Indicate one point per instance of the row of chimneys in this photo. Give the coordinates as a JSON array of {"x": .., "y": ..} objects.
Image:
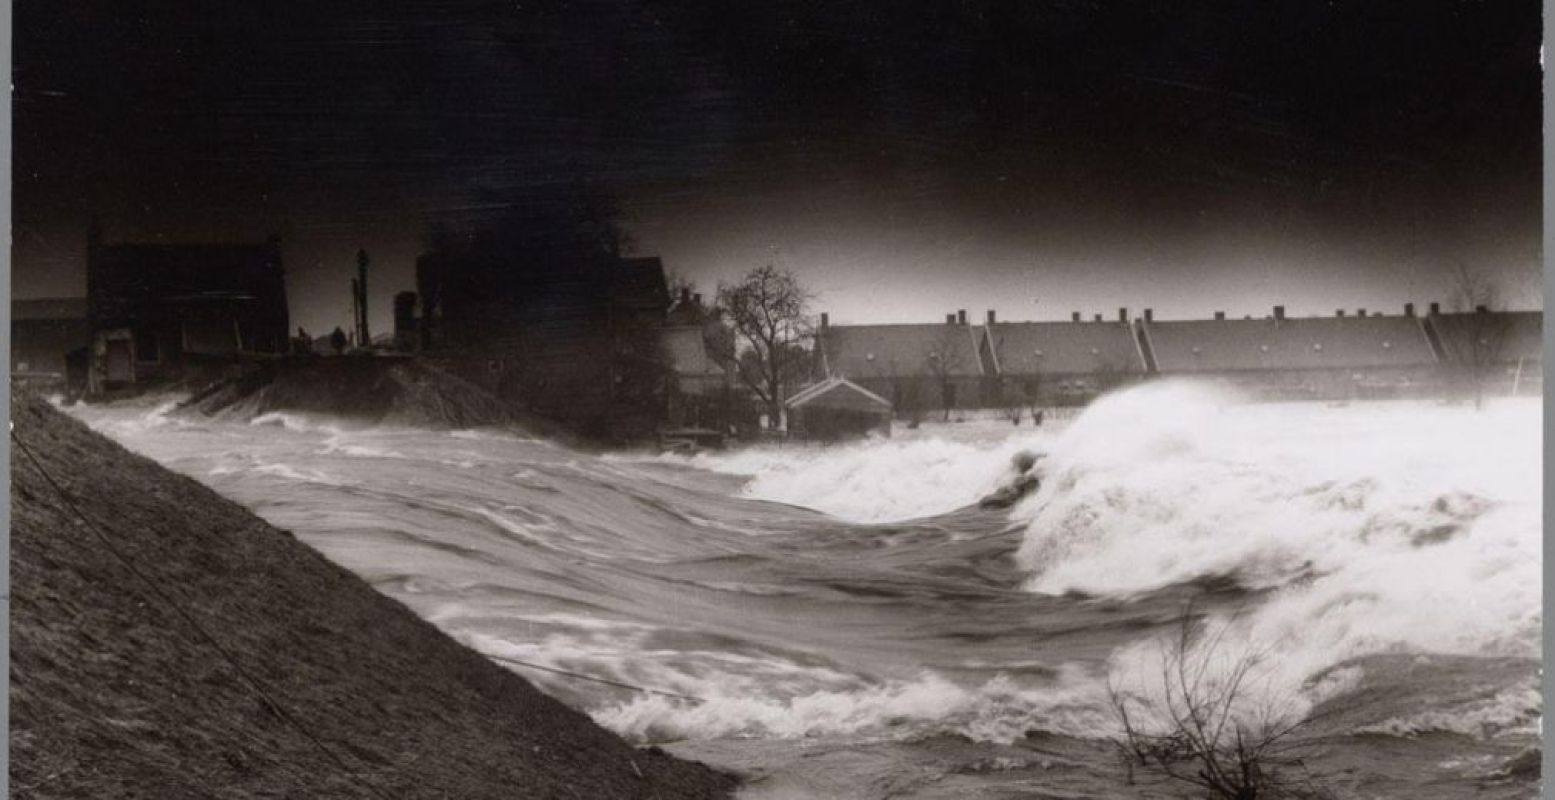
[{"x": 959, "y": 317}]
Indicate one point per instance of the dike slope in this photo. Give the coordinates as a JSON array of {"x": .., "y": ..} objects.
[{"x": 113, "y": 694}]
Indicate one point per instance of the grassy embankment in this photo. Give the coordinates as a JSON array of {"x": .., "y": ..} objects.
[{"x": 115, "y": 692}]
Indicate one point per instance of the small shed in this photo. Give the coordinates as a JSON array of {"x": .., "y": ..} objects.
[{"x": 836, "y": 409}]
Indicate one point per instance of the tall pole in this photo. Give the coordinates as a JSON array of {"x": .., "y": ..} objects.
[
  {"x": 361, "y": 290},
  {"x": 356, "y": 308}
]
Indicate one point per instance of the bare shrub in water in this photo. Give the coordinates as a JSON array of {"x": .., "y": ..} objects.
[{"x": 1208, "y": 724}]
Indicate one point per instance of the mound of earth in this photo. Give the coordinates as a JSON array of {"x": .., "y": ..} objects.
[{"x": 137, "y": 631}]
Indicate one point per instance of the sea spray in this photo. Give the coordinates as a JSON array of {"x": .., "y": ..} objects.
[
  {"x": 1399, "y": 527},
  {"x": 938, "y": 470}
]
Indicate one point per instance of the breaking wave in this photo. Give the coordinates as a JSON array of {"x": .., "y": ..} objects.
[{"x": 1348, "y": 541}]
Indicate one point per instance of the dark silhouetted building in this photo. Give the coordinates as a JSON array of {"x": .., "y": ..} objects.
[
  {"x": 582, "y": 346},
  {"x": 156, "y": 309},
  {"x": 43, "y": 333}
]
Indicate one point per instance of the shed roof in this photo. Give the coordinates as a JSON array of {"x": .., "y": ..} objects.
[
  {"x": 837, "y": 393},
  {"x": 1311, "y": 343},
  {"x": 866, "y": 351},
  {"x": 1028, "y": 348}
]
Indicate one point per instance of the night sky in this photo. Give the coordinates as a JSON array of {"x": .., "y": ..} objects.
[{"x": 903, "y": 159}]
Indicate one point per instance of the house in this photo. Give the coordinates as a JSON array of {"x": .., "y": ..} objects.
[
  {"x": 1060, "y": 363},
  {"x": 157, "y": 310},
  {"x": 579, "y": 345},
  {"x": 44, "y": 332},
  {"x": 835, "y": 409},
  {"x": 1330, "y": 358},
  {"x": 919, "y": 368},
  {"x": 701, "y": 384}
]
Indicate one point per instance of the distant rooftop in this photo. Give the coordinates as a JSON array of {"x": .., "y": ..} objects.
[
  {"x": 1307, "y": 343},
  {"x": 1027, "y": 348},
  {"x": 870, "y": 351}
]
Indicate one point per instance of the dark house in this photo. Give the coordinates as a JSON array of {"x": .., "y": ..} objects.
[
  {"x": 580, "y": 345},
  {"x": 43, "y": 333},
  {"x": 158, "y": 309}
]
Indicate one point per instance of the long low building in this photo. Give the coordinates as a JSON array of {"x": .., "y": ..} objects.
[
  {"x": 1316, "y": 357},
  {"x": 927, "y": 367}
]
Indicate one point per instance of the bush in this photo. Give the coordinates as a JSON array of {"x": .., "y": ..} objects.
[{"x": 1211, "y": 724}]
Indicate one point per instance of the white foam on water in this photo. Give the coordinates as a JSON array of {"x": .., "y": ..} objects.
[
  {"x": 1379, "y": 528},
  {"x": 997, "y": 711},
  {"x": 880, "y": 480}
]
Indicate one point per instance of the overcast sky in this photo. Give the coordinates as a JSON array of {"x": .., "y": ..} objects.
[{"x": 904, "y": 160}]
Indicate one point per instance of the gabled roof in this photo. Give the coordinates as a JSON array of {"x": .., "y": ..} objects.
[
  {"x": 876, "y": 351},
  {"x": 1312, "y": 343},
  {"x": 837, "y": 392},
  {"x": 62, "y": 308},
  {"x": 1028, "y": 348},
  {"x": 1504, "y": 336}
]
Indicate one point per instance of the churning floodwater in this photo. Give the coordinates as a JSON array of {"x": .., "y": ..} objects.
[{"x": 845, "y": 622}]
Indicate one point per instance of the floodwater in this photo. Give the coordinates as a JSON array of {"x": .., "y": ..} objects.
[{"x": 844, "y": 622}]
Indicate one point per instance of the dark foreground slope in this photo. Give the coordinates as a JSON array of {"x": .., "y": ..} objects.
[{"x": 113, "y": 694}]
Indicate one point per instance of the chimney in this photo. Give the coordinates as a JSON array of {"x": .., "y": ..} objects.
[
  {"x": 696, "y": 299},
  {"x": 1436, "y": 308},
  {"x": 1074, "y": 316},
  {"x": 961, "y": 317},
  {"x": 1150, "y": 315},
  {"x": 1123, "y": 315},
  {"x": 1098, "y": 318},
  {"x": 950, "y": 319},
  {"x": 825, "y": 320},
  {"x": 1220, "y": 315},
  {"x": 990, "y": 317},
  {"x": 685, "y": 295},
  {"x": 1279, "y": 312},
  {"x": 1360, "y": 312},
  {"x": 1339, "y": 313}
]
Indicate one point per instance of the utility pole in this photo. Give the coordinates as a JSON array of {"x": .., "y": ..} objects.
[
  {"x": 360, "y": 285},
  {"x": 356, "y": 310}
]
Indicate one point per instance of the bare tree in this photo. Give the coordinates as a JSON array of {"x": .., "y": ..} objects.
[
  {"x": 1480, "y": 335},
  {"x": 945, "y": 359},
  {"x": 1209, "y": 724},
  {"x": 768, "y": 311}
]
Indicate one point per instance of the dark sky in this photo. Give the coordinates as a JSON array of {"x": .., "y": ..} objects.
[{"x": 904, "y": 159}]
